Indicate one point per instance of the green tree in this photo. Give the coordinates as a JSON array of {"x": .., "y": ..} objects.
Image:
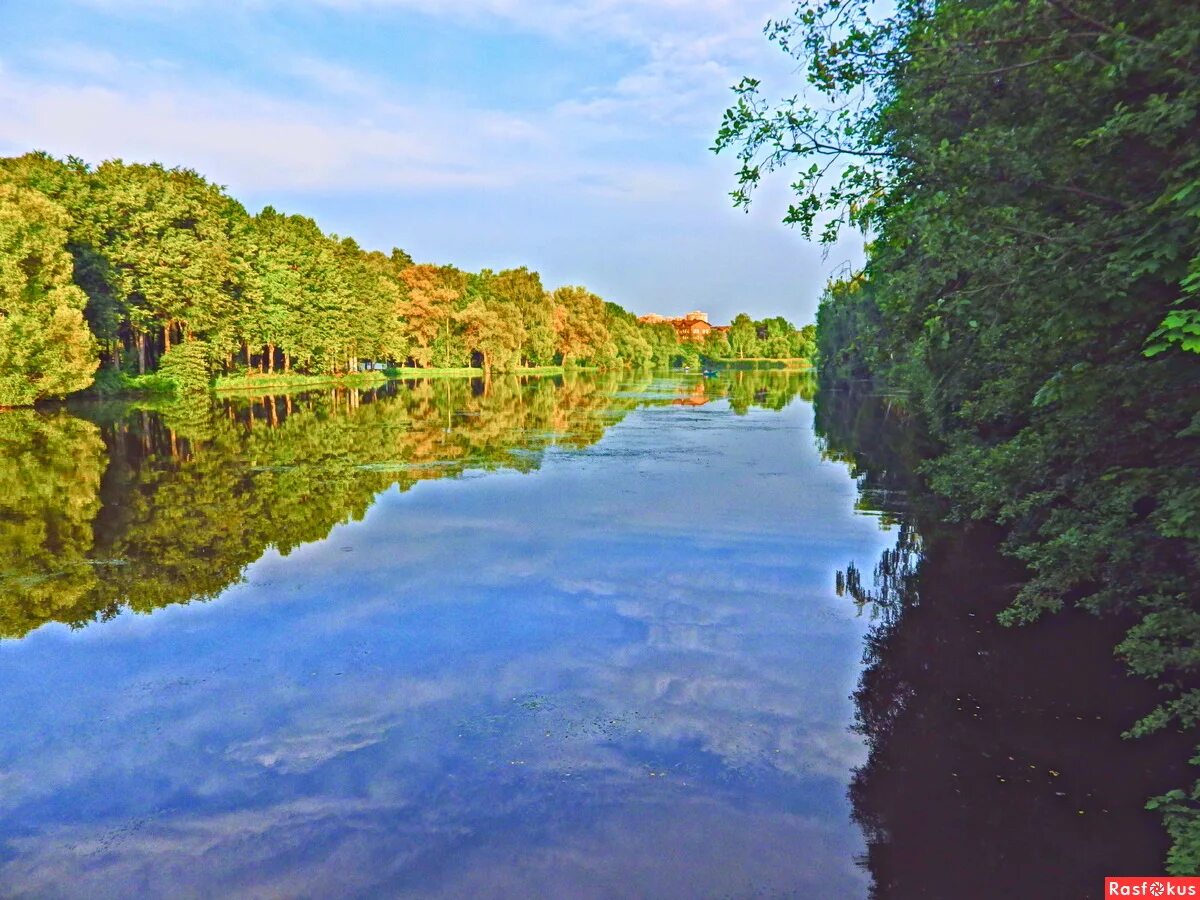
[
  {"x": 165, "y": 236},
  {"x": 488, "y": 331},
  {"x": 717, "y": 346},
  {"x": 743, "y": 337},
  {"x": 46, "y": 349},
  {"x": 69, "y": 183},
  {"x": 579, "y": 326}
]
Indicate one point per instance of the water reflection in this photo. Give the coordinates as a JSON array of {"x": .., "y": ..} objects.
[
  {"x": 140, "y": 507},
  {"x": 626, "y": 676},
  {"x": 995, "y": 767}
]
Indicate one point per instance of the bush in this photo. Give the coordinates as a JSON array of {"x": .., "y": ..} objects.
[
  {"x": 110, "y": 383},
  {"x": 188, "y": 365}
]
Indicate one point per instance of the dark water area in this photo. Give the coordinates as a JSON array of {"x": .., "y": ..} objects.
[
  {"x": 582, "y": 636},
  {"x": 996, "y": 765}
]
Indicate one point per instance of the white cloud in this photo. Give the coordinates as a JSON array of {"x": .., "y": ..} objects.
[
  {"x": 692, "y": 49},
  {"x": 241, "y": 137},
  {"x": 250, "y": 139}
]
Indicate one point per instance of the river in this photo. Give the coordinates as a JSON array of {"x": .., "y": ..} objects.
[{"x": 569, "y": 637}]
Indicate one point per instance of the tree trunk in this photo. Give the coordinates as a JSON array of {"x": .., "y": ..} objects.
[
  {"x": 141, "y": 348},
  {"x": 270, "y": 358},
  {"x": 246, "y": 347},
  {"x": 167, "y": 338},
  {"x": 287, "y": 363}
]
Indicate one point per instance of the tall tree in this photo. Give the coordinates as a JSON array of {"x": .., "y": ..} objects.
[
  {"x": 433, "y": 294},
  {"x": 165, "y": 234},
  {"x": 579, "y": 318},
  {"x": 46, "y": 349}
]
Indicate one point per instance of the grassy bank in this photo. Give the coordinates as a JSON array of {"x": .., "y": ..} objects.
[
  {"x": 111, "y": 384},
  {"x": 470, "y": 371},
  {"x": 434, "y": 372},
  {"x": 120, "y": 384},
  {"x": 762, "y": 362},
  {"x": 291, "y": 381}
]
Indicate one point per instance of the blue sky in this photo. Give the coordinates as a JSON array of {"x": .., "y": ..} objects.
[{"x": 569, "y": 137}]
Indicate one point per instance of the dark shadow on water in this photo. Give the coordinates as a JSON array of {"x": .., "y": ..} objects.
[{"x": 996, "y": 764}]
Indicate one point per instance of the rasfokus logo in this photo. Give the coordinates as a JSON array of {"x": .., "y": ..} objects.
[{"x": 1151, "y": 886}]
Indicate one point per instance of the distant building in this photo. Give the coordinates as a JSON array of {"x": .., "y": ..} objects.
[{"x": 693, "y": 326}]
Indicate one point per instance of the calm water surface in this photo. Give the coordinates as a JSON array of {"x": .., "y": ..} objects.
[{"x": 549, "y": 638}]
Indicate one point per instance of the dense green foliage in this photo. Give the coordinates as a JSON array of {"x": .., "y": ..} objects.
[
  {"x": 1028, "y": 172},
  {"x": 773, "y": 338},
  {"x": 45, "y": 346},
  {"x": 159, "y": 258}
]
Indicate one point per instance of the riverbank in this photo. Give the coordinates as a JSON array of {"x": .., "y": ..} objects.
[
  {"x": 292, "y": 380},
  {"x": 119, "y": 385},
  {"x": 794, "y": 364}
]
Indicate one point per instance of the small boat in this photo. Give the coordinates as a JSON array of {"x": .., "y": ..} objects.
[{"x": 710, "y": 373}]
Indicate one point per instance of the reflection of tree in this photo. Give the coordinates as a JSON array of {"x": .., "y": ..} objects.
[
  {"x": 894, "y": 576},
  {"x": 749, "y": 388},
  {"x": 49, "y": 497},
  {"x": 872, "y": 435},
  {"x": 193, "y": 492},
  {"x": 995, "y": 765}
]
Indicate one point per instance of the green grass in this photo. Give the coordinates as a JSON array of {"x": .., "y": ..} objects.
[
  {"x": 433, "y": 372},
  {"x": 469, "y": 371},
  {"x": 114, "y": 384},
  {"x": 762, "y": 362},
  {"x": 293, "y": 380}
]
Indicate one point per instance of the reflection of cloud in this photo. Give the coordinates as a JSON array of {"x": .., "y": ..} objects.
[
  {"x": 658, "y": 841},
  {"x": 687, "y": 847},
  {"x": 324, "y": 733},
  {"x": 587, "y": 586},
  {"x": 489, "y": 677},
  {"x": 178, "y": 855}
]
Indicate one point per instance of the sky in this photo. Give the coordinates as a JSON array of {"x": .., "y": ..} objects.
[{"x": 570, "y": 137}]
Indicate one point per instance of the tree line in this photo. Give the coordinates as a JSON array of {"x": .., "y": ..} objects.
[
  {"x": 127, "y": 268},
  {"x": 771, "y": 338},
  {"x": 1028, "y": 176}
]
